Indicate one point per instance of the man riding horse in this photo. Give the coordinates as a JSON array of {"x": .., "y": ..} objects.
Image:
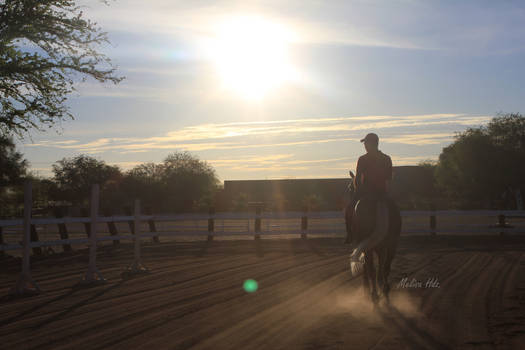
[
  {"x": 373, "y": 175},
  {"x": 373, "y": 220}
]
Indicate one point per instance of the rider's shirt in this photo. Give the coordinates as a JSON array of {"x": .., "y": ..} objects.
[{"x": 374, "y": 169}]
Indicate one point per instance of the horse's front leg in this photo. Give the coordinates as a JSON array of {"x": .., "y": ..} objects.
[
  {"x": 383, "y": 271},
  {"x": 370, "y": 273},
  {"x": 348, "y": 223}
]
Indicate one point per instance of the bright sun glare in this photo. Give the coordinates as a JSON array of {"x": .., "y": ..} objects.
[{"x": 251, "y": 56}]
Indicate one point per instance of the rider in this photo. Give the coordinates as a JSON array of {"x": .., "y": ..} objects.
[{"x": 373, "y": 175}]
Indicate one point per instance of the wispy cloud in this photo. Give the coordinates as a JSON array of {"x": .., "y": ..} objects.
[
  {"x": 411, "y": 160},
  {"x": 125, "y": 165},
  {"x": 420, "y": 139},
  {"x": 201, "y": 21},
  {"x": 284, "y": 133},
  {"x": 276, "y": 161},
  {"x": 285, "y": 148}
]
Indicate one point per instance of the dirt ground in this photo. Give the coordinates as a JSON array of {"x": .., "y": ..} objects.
[{"x": 449, "y": 292}]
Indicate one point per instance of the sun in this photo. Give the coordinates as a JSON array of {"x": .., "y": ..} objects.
[{"x": 251, "y": 55}]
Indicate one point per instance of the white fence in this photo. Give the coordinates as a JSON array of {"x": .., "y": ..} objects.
[{"x": 335, "y": 218}]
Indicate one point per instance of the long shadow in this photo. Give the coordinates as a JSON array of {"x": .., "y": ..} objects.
[
  {"x": 76, "y": 305},
  {"x": 204, "y": 248},
  {"x": 314, "y": 247},
  {"x": 298, "y": 246},
  {"x": 407, "y": 327},
  {"x": 36, "y": 307},
  {"x": 259, "y": 248}
]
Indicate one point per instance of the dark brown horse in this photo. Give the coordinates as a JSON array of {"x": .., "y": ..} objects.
[{"x": 360, "y": 229}]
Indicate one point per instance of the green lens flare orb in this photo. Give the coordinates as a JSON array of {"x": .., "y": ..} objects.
[{"x": 250, "y": 286}]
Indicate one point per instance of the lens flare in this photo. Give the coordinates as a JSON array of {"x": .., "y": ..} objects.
[{"x": 250, "y": 286}]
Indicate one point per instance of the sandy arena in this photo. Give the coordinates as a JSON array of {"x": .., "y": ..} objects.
[{"x": 194, "y": 298}]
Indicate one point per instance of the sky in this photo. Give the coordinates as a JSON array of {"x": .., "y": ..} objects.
[{"x": 286, "y": 89}]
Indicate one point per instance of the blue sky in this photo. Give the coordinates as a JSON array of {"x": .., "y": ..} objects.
[{"x": 414, "y": 72}]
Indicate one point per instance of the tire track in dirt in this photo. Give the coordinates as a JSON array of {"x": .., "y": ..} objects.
[
  {"x": 292, "y": 324},
  {"x": 157, "y": 274},
  {"x": 163, "y": 305},
  {"x": 126, "y": 297},
  {"x": 281, "y": 320},
  {"x": 55, "y": 296},
  {"x": 198, "y": 303},
  {"x": 461, "y": 305},
  {"x": 504, "y": 299}
]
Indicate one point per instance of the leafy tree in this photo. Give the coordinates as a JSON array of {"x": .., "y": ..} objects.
[
  {"x": 75, "y": 176},
  {"x": 12, "y": 165},
  {"x": 43, "y": 191},
  {"x": 508, "y": 131},
  {"x": 187, "y": 180},
  {"x": 13, "y": 168},
  {"x": 145, "y": 181},
  {"x": 45, "y": 47},
  {"x": 483, "y": 162},
  {"x": 180, "y": 183}
]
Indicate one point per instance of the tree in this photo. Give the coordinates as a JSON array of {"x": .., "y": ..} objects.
[
  {"x": 13, "y": 168},
  {"x": 484, "y": 162},
  {"x": 180, "y": 183},
  {"x": 75, "y": 176},
  {"x": 45, "y": 47},
  {"x": 145, "y": 181},
  {"x": 12, "y": 165},
  {"x": 43, "y": 191},
  {"x": 187, "y": 180}
]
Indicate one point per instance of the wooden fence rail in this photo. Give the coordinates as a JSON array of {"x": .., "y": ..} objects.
[{"x": 31, "y": 240}]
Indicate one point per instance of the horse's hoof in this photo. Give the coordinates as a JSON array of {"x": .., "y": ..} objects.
[{"x": 375, "y": 299}]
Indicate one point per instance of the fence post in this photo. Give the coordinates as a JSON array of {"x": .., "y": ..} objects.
[
  {"x": 136, "y": 267},
  {"x": 257, "y": 227},
  {"x": 25, "y": 284},
  {"x": 112, "y": 228},
  {"x": 34, "y": 238},
  {"x": 62, "y": 230},
  {"x": 502, "y": 224},
  {"x": 87, "y": 225},
  {"x": 304, "y": 224},
  {"x": 211, "y": 223},
  {"x": 151, "y": 224},
  {"x": 93, "y": 274},
  {"x": 2, "y": 253},
  {"x": 433, "y": 224},
  {"x": 127, "y": 212}
]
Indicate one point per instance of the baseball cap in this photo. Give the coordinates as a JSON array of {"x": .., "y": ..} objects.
[{"x": 371, "y": 137}]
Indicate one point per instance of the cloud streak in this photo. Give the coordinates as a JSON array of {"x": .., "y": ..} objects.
[{"x": 408, "y": 130}]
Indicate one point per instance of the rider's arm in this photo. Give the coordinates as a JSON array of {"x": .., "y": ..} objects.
[
  {"x": 389, "y": 174},
  {"x": 359, "y": 176}
]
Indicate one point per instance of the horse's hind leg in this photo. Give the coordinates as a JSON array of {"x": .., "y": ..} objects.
[
  {"x": 366, "y": 279},
  {"x": 384, "y": 270},
  {"x": 370, "y": 279},
  {"x": 390, "y": 252}
]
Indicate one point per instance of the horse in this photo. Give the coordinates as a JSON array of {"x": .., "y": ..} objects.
[{"x": 360, "y": 226}]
